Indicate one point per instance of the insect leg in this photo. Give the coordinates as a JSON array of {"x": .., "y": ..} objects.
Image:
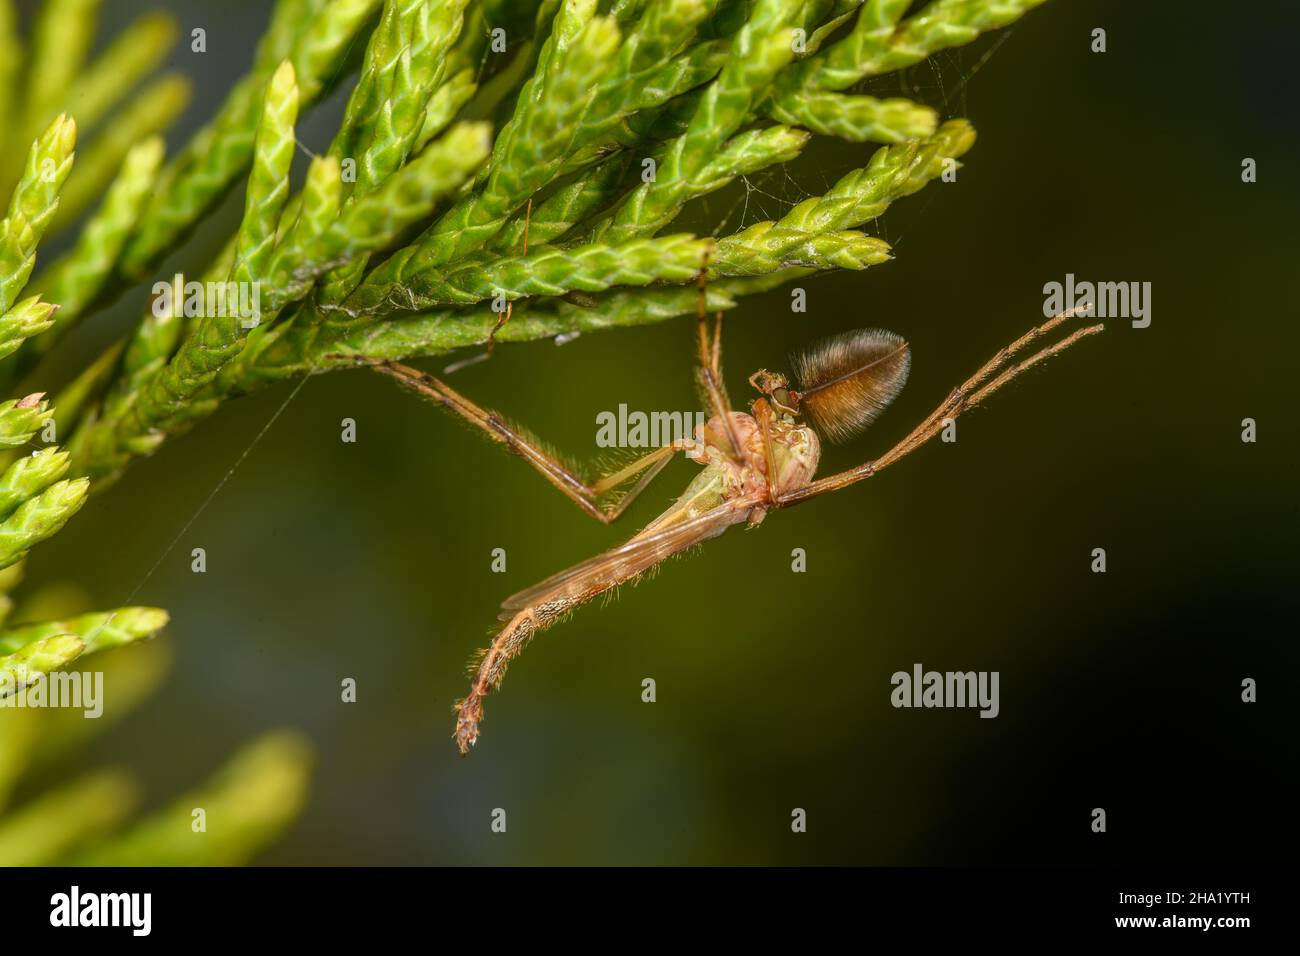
[
  {"x": 991, "y": 377},
  {"x": 708, "y": 373},
  {"x": 585, "y": 496},
  {"x": 763, "y": 415}
]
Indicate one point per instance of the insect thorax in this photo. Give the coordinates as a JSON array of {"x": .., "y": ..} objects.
[{"x": 796, "y": 451}]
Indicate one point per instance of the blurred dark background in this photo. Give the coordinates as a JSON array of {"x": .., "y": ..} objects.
[{"x": 1119, "y": 690}]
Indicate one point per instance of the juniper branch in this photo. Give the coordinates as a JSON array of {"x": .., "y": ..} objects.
[
  {"x": 11, "y": 58},
  {"x": 27, "y": 477},
  {"x": 20, "y": 418},
  {"x": 553, "y": 272},
  {"x": 859, "y": 119},
  {"x": 39, "y": 517},
  {"x": 760, "y": 50},
  {"x": 528, "y": 152},
  {"x": 268, "y": 182},
  {"x": 879, "y": 43},
  {"x": 253, "y": 797},
  {"x": 34, "y": 661},
  {"x": 32, "y": 205},
  {"x": 217, "y": 339},
  {"x": 74, "y": 280},
  {"x": 83, "y": 811},
  {"x": 151, "y": 112},
  {"x": 134, "y": 54},
  {"x": 61, "y": 39},
  {"x": 99, "y": 631},
  {"x": 28, "y": 318},
  {"x": 687, "y": 83},
  {"x": 222, "y": 150}
]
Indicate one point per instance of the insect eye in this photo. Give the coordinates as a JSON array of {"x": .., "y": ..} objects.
[{"x": 781, "y": 397}]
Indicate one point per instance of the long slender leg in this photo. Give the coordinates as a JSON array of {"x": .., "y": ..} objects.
[
  {"x": 991, "y": 377},
  {"x": 959, "y": 399},
  {"x": 763, "y": 415},
  {"x": 709, "y": 371},
  {"x": 978, "y": 387},
  {"x": 585, "y": 496}
]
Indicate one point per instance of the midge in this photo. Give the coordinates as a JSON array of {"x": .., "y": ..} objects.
[{"x": 753, "y": 462}]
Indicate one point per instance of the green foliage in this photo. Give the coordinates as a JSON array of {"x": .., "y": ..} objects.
[
  {"x": 262, "y": 789},
  {"x": 36, "y": 497},
  {"x": 86, "y": 821},
  {"x": 246, "y": 804},
  {"x": 32, "y": 206},
  {"x": 57, "y": 77},
  {"x": 536, "y": 152},
  {"x": 610, "y": 120}
]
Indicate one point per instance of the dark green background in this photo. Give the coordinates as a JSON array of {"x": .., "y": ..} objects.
[{"x": 328, "y": 560}]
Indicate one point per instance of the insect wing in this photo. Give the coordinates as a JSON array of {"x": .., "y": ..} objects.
[{"x": 627, "y": 561}]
